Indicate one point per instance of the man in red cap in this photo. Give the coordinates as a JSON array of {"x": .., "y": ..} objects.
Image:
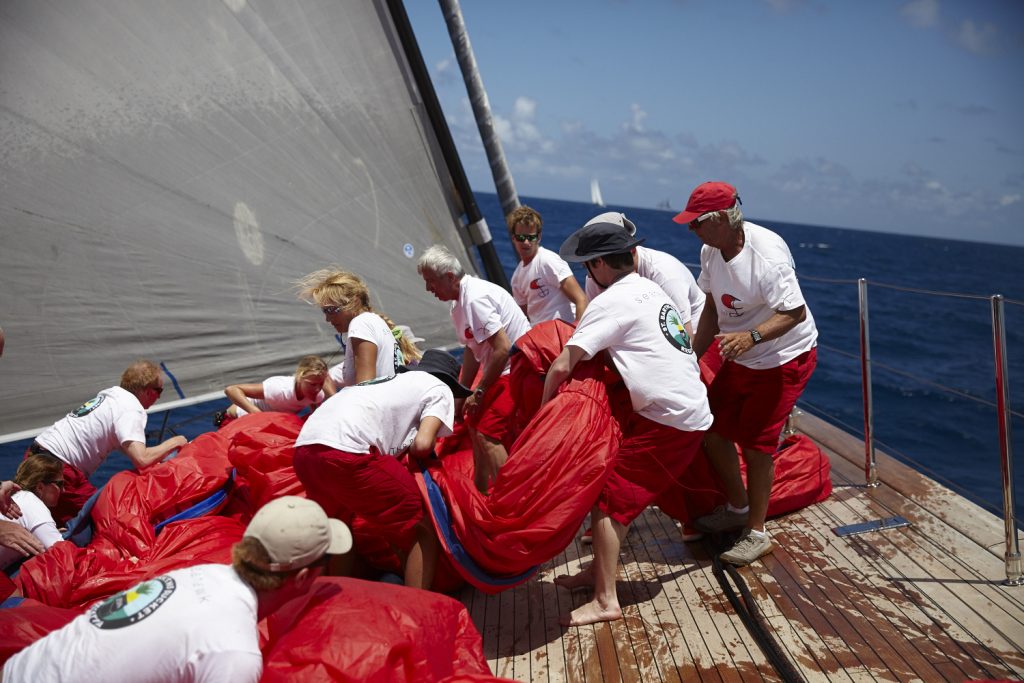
[{"x": 767, "y": 338}]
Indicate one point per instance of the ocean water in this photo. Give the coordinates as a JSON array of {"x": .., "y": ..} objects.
[{"x": 934, "y": 399}]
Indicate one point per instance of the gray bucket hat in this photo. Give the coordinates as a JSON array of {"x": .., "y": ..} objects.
[{"x": 597, "y": 239}]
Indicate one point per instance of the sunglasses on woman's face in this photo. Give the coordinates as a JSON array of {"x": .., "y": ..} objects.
[
  {"x": 59, "y": 483},
  {"x": 526, "y": 238},
  {"x": 331, "y": 310}
]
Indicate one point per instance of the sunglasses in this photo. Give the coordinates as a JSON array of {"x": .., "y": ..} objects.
[
  {"x": 59, "y": 483},
  {"x": 159, "y": 390},
  {"x": 331, "y": 310},
  {"x": 526, "y": 238},
  {"x": 695, "y": 223}
]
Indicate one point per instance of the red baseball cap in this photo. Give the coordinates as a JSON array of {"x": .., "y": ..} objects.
[{"x": 710, "y": 196}]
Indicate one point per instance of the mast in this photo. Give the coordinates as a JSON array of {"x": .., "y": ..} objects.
[
  {"x": 481, "y": 106},
  {"x": 477, "y": 225}
]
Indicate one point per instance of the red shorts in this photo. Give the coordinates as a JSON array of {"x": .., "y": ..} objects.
[
  {"x": 77, "y": 492},
  {"x": 494, "y": 419},
  {"x": 378, "y": 488},
  {"x": 751, "y": 406},
  {"x": 651, "y": 458}
]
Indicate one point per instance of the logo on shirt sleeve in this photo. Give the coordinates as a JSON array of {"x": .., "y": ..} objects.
[
  {"x": 133, "y": 605},
  {"x": 672, "y": 328},
  {"x": 87, "y": 407}
]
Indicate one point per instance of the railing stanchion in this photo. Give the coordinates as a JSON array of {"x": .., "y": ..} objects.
[
  {"x": 870, "y": 471},
  {"x": 1012, "y": 555}
]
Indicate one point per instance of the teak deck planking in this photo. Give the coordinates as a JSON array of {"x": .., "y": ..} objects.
[{"x": 920, "y": 603}]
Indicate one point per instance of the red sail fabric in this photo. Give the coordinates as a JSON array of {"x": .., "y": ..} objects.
[
  {"x": 352, "y": 630},
  {"x": 555, "y": 471},
  {"x": 28, "y": 622}
]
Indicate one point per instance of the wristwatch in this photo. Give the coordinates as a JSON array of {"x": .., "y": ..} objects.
[
  {"x": 480, "y": 392},
  {"x": 756, "y": 336}
]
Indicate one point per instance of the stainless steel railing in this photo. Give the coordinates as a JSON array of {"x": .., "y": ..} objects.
[{"x": 1012, "y": 556}]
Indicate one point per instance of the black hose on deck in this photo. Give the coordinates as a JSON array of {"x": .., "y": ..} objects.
[{"x": 750, "y": 614}]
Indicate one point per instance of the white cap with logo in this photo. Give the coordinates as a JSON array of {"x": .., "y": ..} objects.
[{"x": 297, "y": 532}]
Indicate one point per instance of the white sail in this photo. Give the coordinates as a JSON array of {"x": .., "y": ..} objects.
[
  {"x": 170, "y": 168},
  {"x": 595, "y": 193}
]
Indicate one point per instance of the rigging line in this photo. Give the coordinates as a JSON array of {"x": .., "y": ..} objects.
[
  {"x": 915, "y": 290},
  {"x": 952, "y": 390},
  {"x": 936, "y": 385},
  {"x": 829, "y": 280},
  {"x": 900, "y": 456}
]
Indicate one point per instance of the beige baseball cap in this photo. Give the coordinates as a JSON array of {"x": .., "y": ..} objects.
[{"x": 297, "y": 532}]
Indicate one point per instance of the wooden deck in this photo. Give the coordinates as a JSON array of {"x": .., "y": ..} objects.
[{"x": 920, "y": 603}]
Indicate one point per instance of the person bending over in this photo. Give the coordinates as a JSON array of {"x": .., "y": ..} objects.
[
  {"x": 114, "y": 419},
  {"x": 281, "y": 393},
  {"x": 347, "y": 455},
  {"x": 642, "y": 331},
  {"x": 488, "y": 321}
]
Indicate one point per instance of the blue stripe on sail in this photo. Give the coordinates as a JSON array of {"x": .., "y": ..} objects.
[
  {"x": 439, "y": 509},
  {"x": 203, "y": 507}
]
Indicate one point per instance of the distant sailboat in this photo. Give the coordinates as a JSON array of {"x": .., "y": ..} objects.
[
  {"x": 664, "y": 205},
  {"x": 595, "y": 193}
]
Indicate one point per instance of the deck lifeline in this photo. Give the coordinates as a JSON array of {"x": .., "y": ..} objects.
[{"x": 923, "y": 603}]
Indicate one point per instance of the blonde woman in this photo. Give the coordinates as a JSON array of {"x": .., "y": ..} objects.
[
  {"x": 281, "y": 393},
  {"x": 41, "y": 478},
  {"x": 373, "y": 349}
]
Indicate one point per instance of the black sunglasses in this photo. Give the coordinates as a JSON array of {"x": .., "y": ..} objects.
[
  {"x": 59, "y": 483},
  {"x": 526, "y": 238}
]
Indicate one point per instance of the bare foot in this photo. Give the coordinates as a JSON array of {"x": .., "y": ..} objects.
[
  {"x": 591, "y": 613},
  {"x": 584, "y": 579}
]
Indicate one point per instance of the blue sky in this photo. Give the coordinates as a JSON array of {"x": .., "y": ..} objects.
[{"x": 891, "y": 116}]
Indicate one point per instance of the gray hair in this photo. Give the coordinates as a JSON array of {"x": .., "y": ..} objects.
[
  {"x": 439, "y": 261},
  {"x": 735, "y": 216}
]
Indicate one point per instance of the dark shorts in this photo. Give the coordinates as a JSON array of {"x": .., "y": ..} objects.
[
  {"x": 751, "y": 406},
  {"x": 495, "y": 416},
  {"x": 378, "y": 488},
  {"x": 651, "y": 458}
]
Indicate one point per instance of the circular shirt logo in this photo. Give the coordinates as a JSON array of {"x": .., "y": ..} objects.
[
  {"x": 87, "y": 407},
  {"x": 133, "y": 605},
  {"x": 672, "y": 328}
]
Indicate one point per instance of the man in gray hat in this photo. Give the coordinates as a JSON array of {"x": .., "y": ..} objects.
[
  {"x": 196, "y": 623},
  {"x": 642, "y": 330},
  {"x": 663, "y": 268}
]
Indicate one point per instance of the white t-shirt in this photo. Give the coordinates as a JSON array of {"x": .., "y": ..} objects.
[
  {"x": 337, "y": 374},
  {"x": 192, "y": 624},
  {"x": 750, "y": 288},
  {"x": 35, "y": 517},
  {"x": 371, "y": 327},
  {"x": 381, "y": 415},
  {"x": 537, "y": 285},
  {"x": 672, "y": 276},
  {"x": 481, "y": 310},
  {"x": 86, "y": 436},
  {"x": 279, "y": 396},
  {"x": 639, "y": 325}
]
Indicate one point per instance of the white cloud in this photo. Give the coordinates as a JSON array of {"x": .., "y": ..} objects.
[
  {"x": 636, "y": 125},
  {"x": 445, "y": 72},
  {"x": 976, "y": 38},
  {"x": 921, "y": 13},
  {"x": 1009, "y": 199}
]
